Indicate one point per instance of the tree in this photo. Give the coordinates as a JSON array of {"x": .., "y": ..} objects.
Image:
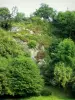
[
  {"x": 25, "y": 77},
  {"x": 62, "y": 74},
  {"x": 19, "y": 17},
  {"x": 5, "y": 17},
  {"x": 64, "y": 24},
  {"x": 66, "y": 52},
  {"x": 4, "y": 13},
  {"x": 19, "y": 77},
  {"x": 45, "y": 12},
  {"x": 60, "y": 51},
  {"x": 63, "y": 51},
  {"x": 14, "y": 11}
]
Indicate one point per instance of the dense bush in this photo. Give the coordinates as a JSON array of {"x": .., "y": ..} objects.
[
  {"x": 46, "y": 92},
  {"x": 4, "y": 77},
  {"x": 63, "y": 52},
  {"x": 19, "y": 77},
  {"x": 32, "y": 44},
  {"x": 9, "y": 46},
  {"x": 63, "y": 74},
  {"x": 5, "y": 18},
  {"x": 19, "y": 17},
  {"x": 28, "y": 77},
  {"x": 6, "y": 25},
  {"x": 64, "y": 24}
]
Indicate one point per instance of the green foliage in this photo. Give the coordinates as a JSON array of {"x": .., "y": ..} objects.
[
  {"x": 25, "y": 77},
  {"x": 44, "y": 98},
  {"x": 9, "y": 46},
  {"x": 72, "y": 84},
  {"x": 4, "y": 13},
  {"x": 19, "y": 77},
  {"x": 66, "y": 52},
  {"x": 62, "y": 74},
  {"x": 32, "y": 44},
  {"x": 46, "y": 92},
  {"x": 45, "y": 12},
  {"x": 37, "y": 25},
  {"x": 73, "y": 89},
  {"x": 57, "y": 94},
  {"x": 6, "y": 24},
  {"x": 5, "y": 16},
  {"x": 64, "y": 24},
  {"x": 19, "y": 17},
  {"x": 4, "y": 73},
  {"x": 5, "y": 48},
  {"x": 63, "y": 52}
]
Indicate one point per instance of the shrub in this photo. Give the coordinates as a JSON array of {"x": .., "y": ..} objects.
[
  {"x": 9, "y": 46},
  {"x": 6, "y": 25},
  {"x": 46, "y": 92},
  {"x": 4, "y": 79},
  {"x": 62, "y": 74},
  {"x": 25, "y": 77},
  {"x": 19, "y": 77},
  {"x": 32, "y": 44}
]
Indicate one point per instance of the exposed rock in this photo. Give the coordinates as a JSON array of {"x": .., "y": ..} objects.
[
  {"x": 41, "y": 62},
  {"x": 33, "y": 53},
  {"x": 15, "y": 29},
  {"x": 24, "y": 44},
  {"x": 30, "y": 31}
]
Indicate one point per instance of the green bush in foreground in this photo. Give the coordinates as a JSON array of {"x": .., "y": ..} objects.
[
  {"x": 25, "y": 77},
  {"x": 19, "y": 77}
]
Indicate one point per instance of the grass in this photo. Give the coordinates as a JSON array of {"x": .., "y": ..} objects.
[
  {"x": 47, "y": 98},
  {"x": 43, "y": 98},
  {"x": 57, "y": 94}
]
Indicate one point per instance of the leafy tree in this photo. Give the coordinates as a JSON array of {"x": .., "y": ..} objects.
[
  {"x": 4, "y": 13},
  {"x": 45, "y": 12},
  {"x": 62, "y": 74},
  {"x": 19, "y": 17},
  {"x": 62, "y": 51},
  {"x": 25, "y": 77},
  {"x": 64, "y": 24},
  {"x": 19, "y": 77},
  {"x": 5, "y": 17},
  {"x": 66, "y": 52}
]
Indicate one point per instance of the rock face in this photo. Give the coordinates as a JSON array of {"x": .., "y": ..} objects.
[
  {"x": 30, "y": 31},
  {"x": 37, "y": 53},
  {"x": 24, "y": 45},
  {"x": 33, "y": 53},
  {"x": 15, "y": 29}
]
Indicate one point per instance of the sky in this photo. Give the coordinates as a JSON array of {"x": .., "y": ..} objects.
[{"x": 29, "y": 6}]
